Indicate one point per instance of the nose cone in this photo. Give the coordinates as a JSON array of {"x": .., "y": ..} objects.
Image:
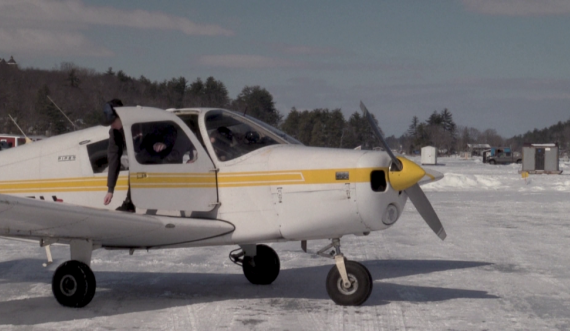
[{"x": 408, "y": 176}]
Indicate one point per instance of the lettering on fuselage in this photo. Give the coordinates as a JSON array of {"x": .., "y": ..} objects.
[
  {"x": 63, "y": 158},
  {"x": 342, "y": 175}
]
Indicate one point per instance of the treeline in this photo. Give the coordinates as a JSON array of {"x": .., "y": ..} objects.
[{"x": 27, "y": 94}]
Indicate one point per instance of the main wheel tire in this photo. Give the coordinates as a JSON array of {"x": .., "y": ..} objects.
[
  {"x": 263, "y": 268},
  {"x": 357, "y": 293},
  {"x": 73, "y": 284}
]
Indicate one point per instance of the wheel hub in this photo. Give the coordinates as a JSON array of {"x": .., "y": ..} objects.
[
  {"x": 68, "y": 285},
  {"x": 350, "y": 289}
]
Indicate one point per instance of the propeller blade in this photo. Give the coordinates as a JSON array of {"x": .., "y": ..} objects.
[
  {"x": 425, "y": 209},
  {"x": 378, "y": 135},
  {"x": 414, "y": 192}
]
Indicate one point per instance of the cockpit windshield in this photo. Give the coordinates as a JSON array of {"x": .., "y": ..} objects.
[{"x": 233, "y": 135}]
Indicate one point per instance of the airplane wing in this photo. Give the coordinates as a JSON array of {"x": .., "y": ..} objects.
[{"x": 59, "y": 222}]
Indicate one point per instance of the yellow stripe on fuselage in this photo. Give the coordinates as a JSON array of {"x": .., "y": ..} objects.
[
  {"x": 190, "y": 180},
  {"x": 242, "y": 179},
  {"x": 78, "y": 184},
  {"x": 300, "y": 177}
]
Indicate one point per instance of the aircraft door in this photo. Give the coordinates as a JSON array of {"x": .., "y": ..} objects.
[
  {"x": 539, "y": 159},
  {"x": 169, "y": 168}
]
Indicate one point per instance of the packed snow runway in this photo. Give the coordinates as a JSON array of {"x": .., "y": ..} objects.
[{"x": 504, "y": 266}]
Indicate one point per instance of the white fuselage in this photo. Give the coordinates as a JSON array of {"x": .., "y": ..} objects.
[{"x": 278, "y": 192}]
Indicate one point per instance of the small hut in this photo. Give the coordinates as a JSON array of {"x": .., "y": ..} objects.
[
  {"x": 541, "y": 159},
  {"x": 429, "y": 155}
]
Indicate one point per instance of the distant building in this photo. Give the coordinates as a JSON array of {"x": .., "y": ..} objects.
[
  {"x": 541, "y": 159},
  {"x": 10, "y": 62},
  {"x": 10, "y": 140},
  {"x": 478, "y": 149},
  {"x": 429, "y": 155}
]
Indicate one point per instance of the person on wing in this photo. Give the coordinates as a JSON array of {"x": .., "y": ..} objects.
[{"x": 115, "y": 150}]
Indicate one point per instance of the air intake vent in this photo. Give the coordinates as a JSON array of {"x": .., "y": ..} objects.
[{"x": 378, "y": 180}]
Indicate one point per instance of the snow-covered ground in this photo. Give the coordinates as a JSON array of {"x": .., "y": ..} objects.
[{"x": 504, "y": 266}]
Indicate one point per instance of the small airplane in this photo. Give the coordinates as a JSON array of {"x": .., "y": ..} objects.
[{"x": 227, "y": 179}]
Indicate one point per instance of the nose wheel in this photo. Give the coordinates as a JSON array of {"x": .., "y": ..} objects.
[
  {"x": 349, "y": 283},
  {"x": 353, "y": 293}
]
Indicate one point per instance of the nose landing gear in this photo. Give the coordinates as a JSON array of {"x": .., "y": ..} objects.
[{"x": 349, "y": 283}]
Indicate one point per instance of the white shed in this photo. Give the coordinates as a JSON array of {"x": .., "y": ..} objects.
[{"x": 429, "y": 155}]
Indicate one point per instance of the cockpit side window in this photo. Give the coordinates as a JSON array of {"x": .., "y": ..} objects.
[
  {"x": 232, "y": 136},
  {"x": 162, "y": 143},
  {"x": 191, "y": 120}
]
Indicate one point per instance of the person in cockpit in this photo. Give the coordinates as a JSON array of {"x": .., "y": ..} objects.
[
  {"x": 223, "y": 142},
  {"x": 157, "y": 145}
]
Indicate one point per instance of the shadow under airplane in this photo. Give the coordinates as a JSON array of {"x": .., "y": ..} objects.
[{"x": 126, "y": 292}]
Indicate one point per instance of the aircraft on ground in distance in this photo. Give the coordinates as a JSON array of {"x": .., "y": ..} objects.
[{"x": 228, "y": 179}]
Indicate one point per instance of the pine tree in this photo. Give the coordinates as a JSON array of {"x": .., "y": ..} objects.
[
  {"x": 291, "y": 123},
  {"x": 72, "y": 79},
  {"x": 412, "y": 129},
  {"x": 50, "y": 120},
  {"x": 257, "y": 102},
  {"x": 197, "y": 93},
  {"x": 216, "y": 93}
]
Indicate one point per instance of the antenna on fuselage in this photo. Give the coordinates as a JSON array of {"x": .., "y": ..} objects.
[
  {"x": 28, "y": 140},
  {"x": 56, "y": 106}
]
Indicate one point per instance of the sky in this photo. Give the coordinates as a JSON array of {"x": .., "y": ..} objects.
[{"x": 494, "y": 64}]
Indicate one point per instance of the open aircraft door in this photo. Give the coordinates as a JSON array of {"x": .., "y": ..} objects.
[{"x": 168, "y": 167}]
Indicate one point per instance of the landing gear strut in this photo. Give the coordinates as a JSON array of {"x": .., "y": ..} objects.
[
  {"x": 261, "y": 267},
  {"x": 348, "y": 283}
]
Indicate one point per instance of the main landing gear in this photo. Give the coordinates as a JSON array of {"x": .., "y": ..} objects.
[
  {"x": 349, "y": 283},
  {"x": 260, "y": 263},
  {"x": 73, "y": 283}
]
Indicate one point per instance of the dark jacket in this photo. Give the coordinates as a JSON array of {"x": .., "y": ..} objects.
[
  {"x": 114, "y": 152},
  {"x": 165, "y": 134}
]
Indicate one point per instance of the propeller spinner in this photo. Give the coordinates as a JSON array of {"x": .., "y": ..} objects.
[{"x": 405, "y": 178}]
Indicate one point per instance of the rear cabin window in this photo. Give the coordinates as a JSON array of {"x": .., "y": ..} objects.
[{"x": 98, "y": 157}]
